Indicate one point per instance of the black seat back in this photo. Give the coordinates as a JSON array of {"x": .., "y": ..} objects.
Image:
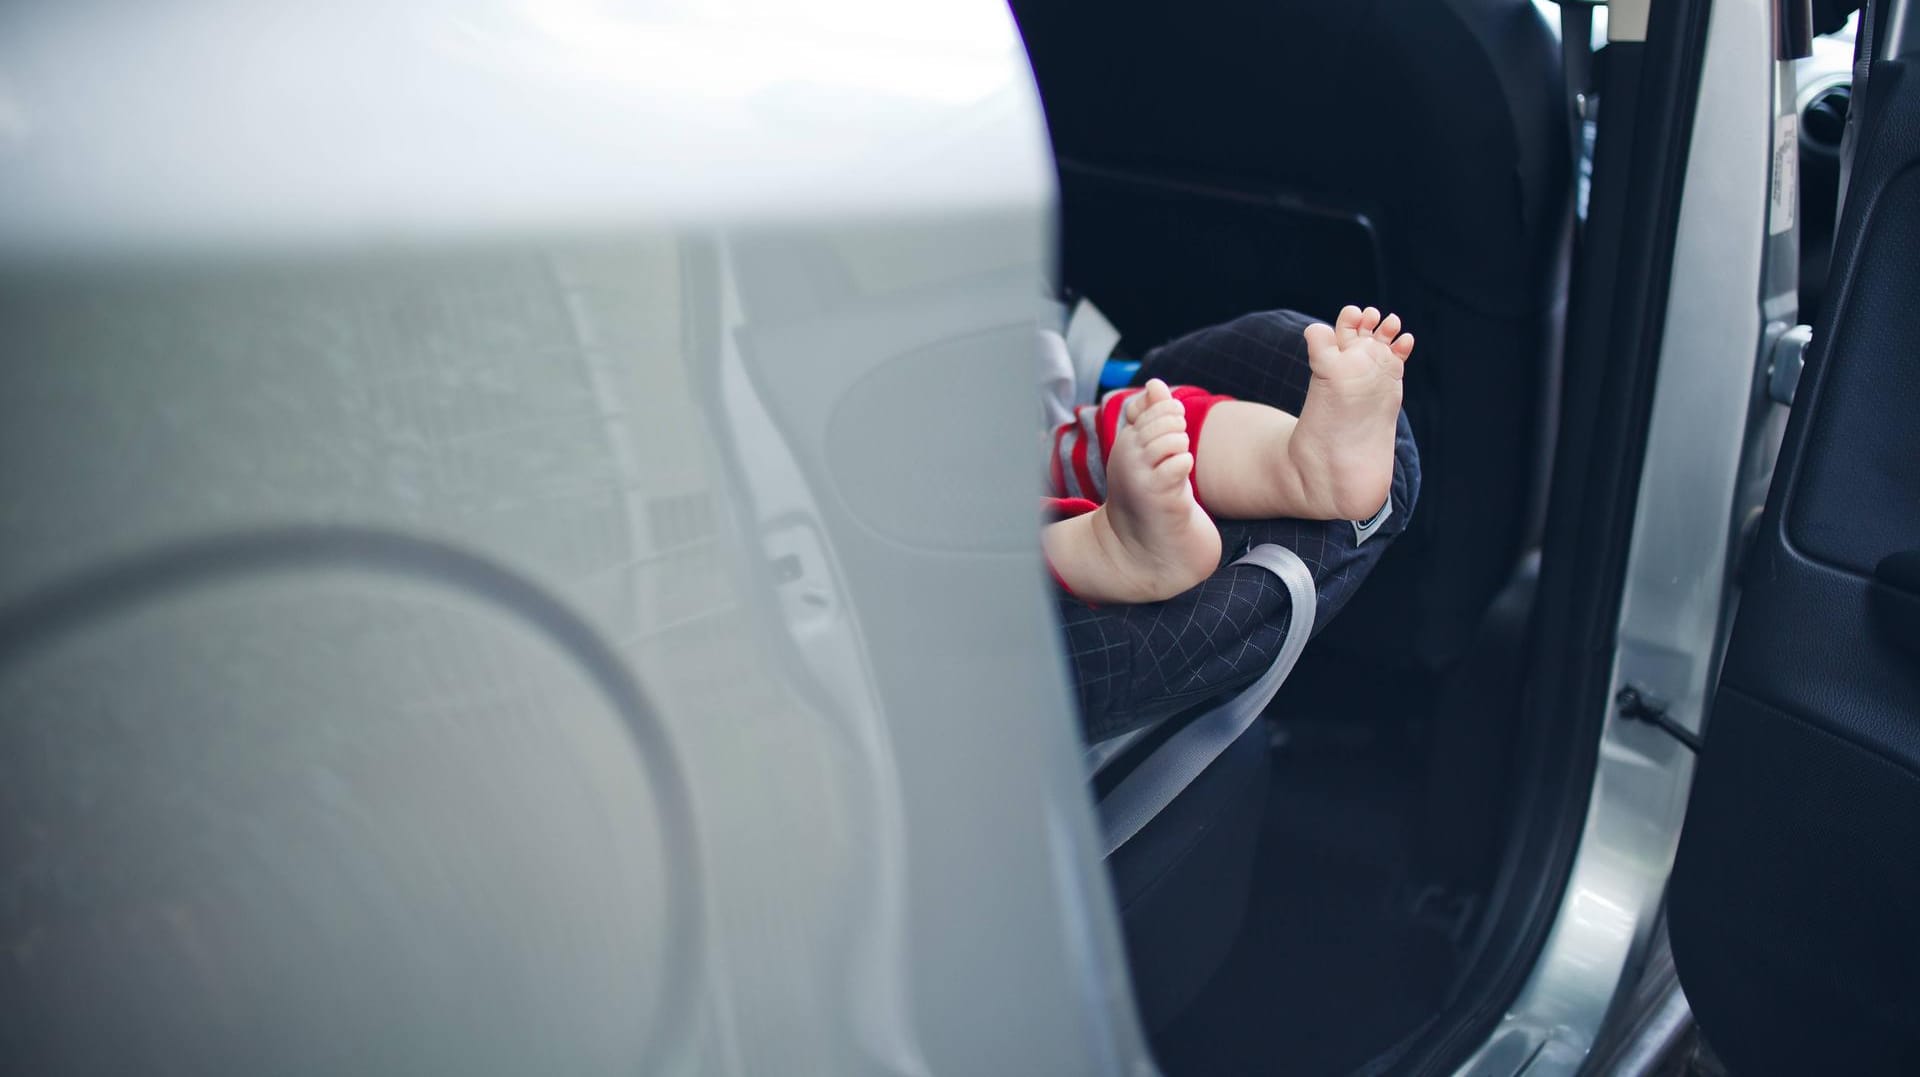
[{"x": 1219, "y": 156}]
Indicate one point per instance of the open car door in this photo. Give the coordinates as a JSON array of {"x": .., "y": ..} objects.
[{"x": 1795, "y": 905}]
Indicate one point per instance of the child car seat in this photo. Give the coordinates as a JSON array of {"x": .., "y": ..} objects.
[
  {"x": 1179, "y": 818},
  {"x": 1172, "y": 691},
  {"x": 1136, "y": 664}
]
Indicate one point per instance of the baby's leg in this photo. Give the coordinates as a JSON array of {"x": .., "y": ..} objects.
[
  {"x": 1335, "y": 461},
  {"x": 1150, "y": 540}
]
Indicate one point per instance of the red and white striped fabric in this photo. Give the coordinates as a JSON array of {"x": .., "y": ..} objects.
[{"x": 1078, "y": 450}]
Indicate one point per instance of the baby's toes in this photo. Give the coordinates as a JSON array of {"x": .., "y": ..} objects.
[
  {"x": 1155, "y": 429},
  {"x": 1172, "y": 472},
  {"x": 1389, "y": 328},
  {"x": 1347, "y": 325},
  {"x": 1369, "y": 321},
  {"x": 1153, "y": 392},
  {"x": 1165, "y": 444},
  {"x": 1321, "y": 341},
  {"x": 1403, "y": 346},
  {"x": 1163, "y": 410}
]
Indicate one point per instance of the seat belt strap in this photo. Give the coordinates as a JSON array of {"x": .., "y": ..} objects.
[
  {"x": 1099, "y": 755},
  {"x": 1164, "y": 775}
]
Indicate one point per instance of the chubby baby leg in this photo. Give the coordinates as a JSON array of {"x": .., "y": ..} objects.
[{"x": 1335, "y": 460}]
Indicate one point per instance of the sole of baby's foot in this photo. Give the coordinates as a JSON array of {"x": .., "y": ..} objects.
[
  {"x": 1156, "y": 540},
  {"x": 1342, "y": 446}
]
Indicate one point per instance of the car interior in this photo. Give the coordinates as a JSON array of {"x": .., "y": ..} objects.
[
  {"x": 1361, "y": 851},
  {"x": 1321, "y": 893}
]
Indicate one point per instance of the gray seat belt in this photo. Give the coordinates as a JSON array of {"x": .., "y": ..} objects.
[
  {"x": 1099, "y": 755},
  {"x": 1166, "y": 773}
]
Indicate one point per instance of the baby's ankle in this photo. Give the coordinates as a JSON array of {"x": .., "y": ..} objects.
[
  {"x": 1361, "y": 501},
  {"x": 1340, "y": 479}
]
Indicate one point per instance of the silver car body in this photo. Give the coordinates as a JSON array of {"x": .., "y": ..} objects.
[
  {"x": 502, "y": 431},
  {"x": 1710, "y": 448}
]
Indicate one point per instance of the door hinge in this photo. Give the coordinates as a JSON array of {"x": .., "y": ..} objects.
[{"x": 1633, "y": 703}]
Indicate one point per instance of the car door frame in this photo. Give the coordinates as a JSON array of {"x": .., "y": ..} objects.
[
  {"x": 1679, "y": 439},
  {"x": 1796, "y": 883}
]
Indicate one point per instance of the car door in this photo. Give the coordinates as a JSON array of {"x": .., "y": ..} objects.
[{"x": 1795, "y": 905}]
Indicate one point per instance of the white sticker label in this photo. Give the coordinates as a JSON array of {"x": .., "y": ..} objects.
[
  {"x": 1784, "y": 198},
  {"x": 1362, "y": 531}
]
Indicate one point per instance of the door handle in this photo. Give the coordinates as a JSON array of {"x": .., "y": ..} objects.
[{"x": 1895, "y": 598}]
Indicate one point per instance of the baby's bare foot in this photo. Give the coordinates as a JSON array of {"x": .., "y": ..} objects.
[
  {"x": 1343, "y": 445},
  {"x": 1151, "y": 540}
]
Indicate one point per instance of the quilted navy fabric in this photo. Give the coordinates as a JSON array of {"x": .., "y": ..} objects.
[{"x": 1134, "y": 664}]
